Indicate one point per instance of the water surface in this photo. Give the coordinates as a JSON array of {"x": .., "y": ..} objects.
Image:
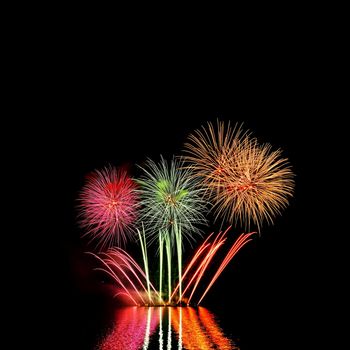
[{"x": 165, "y": 328}]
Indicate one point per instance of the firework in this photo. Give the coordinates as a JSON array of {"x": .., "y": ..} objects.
[
  {"x": 258, "y": 183},
  {"x": 209, "y": 149},
  {"x": 199, "y": 264},
  {"x": 128, "y": 276},
  {"x": 242, "y": 240},
  {"x": 246, "y": 182},
  {"x": 172, "y": 208},
  {"x": 142, "y": 240},
  {"x": 135, "y": 284},
  {"x": 108, "y": 206}
]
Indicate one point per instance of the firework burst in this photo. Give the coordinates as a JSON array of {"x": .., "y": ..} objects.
[
  {"x": 258, "y": 183},
  {"x": 172, "y": 207},
  {"x": 108, "y": 206},
  {"x": 245, "y": 181},
  {"x": 171, "y": 199},
  {"x": 209, "y": 149}
]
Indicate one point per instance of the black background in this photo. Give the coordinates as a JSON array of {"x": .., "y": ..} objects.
[
  {"x": 264, "y": 296},
  {"x": 82, "y": 94},
  {"x": 124, "y": 114}
]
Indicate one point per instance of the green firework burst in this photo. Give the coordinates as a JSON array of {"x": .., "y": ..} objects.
[{"x": 172, "y": 208}]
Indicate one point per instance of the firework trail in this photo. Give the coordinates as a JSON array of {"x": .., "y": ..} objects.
[
  {"x": 242, "y": 240},
  {"x": 135, "y": 284},
  {"x": 245, "y": 181},
  {"x": 142, "y": 240},
  {"x": 108, "y": 206},
  {"x": 199, "y": 264},
  {"x": 128, "y": 275},
  {"x": 172, "y": 208}
]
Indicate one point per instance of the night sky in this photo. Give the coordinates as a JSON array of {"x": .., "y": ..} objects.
[
  {"x": 85, "y": 95},
  {"x": 270, "y": 277}
]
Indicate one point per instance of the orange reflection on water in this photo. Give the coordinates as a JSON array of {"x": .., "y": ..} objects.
[
  {"x": 199, "y": 329},
  {"x": 214, "y": 331},
  {"x": 190, "y": 328}
]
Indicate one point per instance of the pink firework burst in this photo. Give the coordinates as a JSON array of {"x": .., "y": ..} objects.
[{"x": 108, "y": 206}]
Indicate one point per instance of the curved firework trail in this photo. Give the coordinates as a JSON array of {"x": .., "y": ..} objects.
[
  {"x": 127, "y": 274},
  {"x": 198, "y": 265},
  {"x": 172, "y": 207},
  {"x": 108, "y": 206},
  {"x": 246, "y": 182}
]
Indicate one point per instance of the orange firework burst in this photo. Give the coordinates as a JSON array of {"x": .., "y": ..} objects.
[
  {"x": 209, "y": 149},
  {"x": 246, "y": 182}
]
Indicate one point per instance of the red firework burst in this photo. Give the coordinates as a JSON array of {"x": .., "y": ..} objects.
[{"x": 108, "y": 206}]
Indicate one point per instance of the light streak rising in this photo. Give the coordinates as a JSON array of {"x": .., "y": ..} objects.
[
  {"x": 257, "y": 186},
  {"x": 128, "y": 275},
  {"x": 199, "y": 264},
  {"x": 136, "y": 285},
  {"x": 208, "y": 150},
  {"x": 172, "y": 207}
]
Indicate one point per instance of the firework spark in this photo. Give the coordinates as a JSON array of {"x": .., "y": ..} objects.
[
  {"x": 108, "y": 206},
  {"x": 246, "y": 182},
  {"x": 242, "y": 240}
]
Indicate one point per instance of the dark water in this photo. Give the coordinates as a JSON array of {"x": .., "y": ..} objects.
[{"x": 165, "y": 328}]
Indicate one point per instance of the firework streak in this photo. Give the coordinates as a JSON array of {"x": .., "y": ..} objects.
[
  {"x": 198, "y": 266},
  {"x": 128, "y": 275},
  {"x": 134, "y": 283}
]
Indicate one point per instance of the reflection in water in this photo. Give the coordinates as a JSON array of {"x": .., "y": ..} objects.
[
  {"x": 161, "y": 328},
  {"x": 133, "y": 328},
  {"x": 184, "y": 327},
  {"x": 169, "y": 329}
]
